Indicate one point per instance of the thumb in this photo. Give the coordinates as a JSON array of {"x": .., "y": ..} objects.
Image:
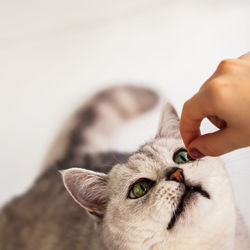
[{"x": 213, "y": 144}]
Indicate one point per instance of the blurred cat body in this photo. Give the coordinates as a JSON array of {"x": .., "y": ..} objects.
[{"x": 196, "y": 213}]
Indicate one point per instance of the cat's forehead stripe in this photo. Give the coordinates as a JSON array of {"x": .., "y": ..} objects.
[{"x": 153, "y": 156}]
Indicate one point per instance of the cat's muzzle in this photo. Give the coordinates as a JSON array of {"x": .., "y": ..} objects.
[{"x": 177, "y": 175}]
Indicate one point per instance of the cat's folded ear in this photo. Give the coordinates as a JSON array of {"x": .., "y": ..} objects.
[
  {"x": 169, "y": 122},
  {"x": 88, "y": 189}
]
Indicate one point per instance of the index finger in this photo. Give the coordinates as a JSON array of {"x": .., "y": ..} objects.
[{"x": 193, "y": 112}]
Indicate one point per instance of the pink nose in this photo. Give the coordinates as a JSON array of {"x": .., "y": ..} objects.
[{"x": 176, "y": 175}]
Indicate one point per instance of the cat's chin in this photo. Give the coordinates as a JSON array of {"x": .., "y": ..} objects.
[{"x": 187, "y": 200}]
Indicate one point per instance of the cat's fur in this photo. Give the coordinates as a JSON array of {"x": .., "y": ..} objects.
[{"x": 47, "y": 218}]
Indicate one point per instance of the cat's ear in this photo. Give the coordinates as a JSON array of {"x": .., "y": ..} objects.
[
  {"x": 169, "y": 122},
  {"x": 88, "y": 189}
]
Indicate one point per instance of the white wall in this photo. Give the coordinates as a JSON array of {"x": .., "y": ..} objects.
[{"x": 53, "y": 54}]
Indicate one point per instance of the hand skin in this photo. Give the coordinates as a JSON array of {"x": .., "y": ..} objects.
[{"x": 225, "y": 100}]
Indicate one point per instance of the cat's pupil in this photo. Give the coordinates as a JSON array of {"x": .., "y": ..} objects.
[
  {"x": 142, "y": 187},
  {"x": 183, "y": 158}
]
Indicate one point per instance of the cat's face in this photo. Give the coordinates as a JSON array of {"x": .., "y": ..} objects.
[
  {"x": 159, "y": 199},
  {"x": 155, "y": 208}
]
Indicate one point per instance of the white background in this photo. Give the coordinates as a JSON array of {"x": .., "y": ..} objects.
[{"x": 54, "y": 54}]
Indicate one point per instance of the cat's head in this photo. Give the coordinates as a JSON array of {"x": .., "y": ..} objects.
[{"x": 160, "y": 198}]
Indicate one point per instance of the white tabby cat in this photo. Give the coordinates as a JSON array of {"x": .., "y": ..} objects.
[
  {"x": 161, "y": 199},
  {"x": 157, "y": 198}
]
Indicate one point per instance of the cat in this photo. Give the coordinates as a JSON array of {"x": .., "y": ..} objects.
[{"x": 155, "y": 198}]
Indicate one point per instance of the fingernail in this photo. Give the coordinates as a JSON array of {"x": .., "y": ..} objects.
[{"x": 195, "y": 153}]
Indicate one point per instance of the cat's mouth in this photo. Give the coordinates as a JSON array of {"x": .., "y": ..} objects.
[{"x": 187, "y": 195}]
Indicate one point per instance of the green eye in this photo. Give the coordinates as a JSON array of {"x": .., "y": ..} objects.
[
  {"x": 181, "y": 156},
  {"x": 140, "y": 188}
]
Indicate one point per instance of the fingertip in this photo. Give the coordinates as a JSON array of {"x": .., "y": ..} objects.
[
  {"x": 213, "y": 144},
  {"x": 202, "y": 146},
  {"x": 195, "y": 153}
]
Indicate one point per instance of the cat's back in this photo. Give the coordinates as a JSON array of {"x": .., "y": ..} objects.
[{"x": 46, "y": 218}]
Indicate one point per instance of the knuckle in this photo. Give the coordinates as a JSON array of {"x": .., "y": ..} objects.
[
  {"x": 217, "y": 94},
  {"x": 217, "y": 88},
  {"x": 228, "y": 64}
]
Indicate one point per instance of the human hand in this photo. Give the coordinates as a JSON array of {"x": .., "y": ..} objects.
[{"x": 225, "y": 100}]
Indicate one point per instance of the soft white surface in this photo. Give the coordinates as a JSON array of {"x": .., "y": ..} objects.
[{"x": 53, "y": 54}]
